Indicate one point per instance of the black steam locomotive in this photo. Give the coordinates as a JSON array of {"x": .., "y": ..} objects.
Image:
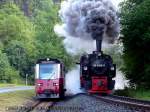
[{"x": 96, "y": 72}]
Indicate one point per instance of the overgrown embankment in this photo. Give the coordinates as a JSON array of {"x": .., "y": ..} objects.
[{"x": 134, "y": 93}]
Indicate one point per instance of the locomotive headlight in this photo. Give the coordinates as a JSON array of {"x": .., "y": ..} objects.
[
  {"x": 85, "y": 68},
  {"x": 112, "y": 68}
]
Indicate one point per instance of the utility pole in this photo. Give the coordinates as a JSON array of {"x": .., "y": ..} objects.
[{"x": 26, "y": 79}]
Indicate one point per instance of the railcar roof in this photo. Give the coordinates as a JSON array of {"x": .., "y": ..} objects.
[{"x": 48, "y": 59}]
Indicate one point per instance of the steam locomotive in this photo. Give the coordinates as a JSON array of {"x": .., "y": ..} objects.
[
  {"x": 49, "y": 78},
  {"x": 97, "y": 72}
]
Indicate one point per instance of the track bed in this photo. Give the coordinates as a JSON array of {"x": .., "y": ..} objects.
[{"x": 86, "y": 103}]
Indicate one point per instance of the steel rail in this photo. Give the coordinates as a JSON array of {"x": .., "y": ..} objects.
[
  {"x": 29, "y": 106},
  {"x": 131, "y": 99},
  {"x": 126, "y": 101},
  {"x": 43, "y": 106}
]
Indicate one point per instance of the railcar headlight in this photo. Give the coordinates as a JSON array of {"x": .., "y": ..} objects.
[
  {"x": 55, "y": 84},
  {"x": 39, "y": 84}
]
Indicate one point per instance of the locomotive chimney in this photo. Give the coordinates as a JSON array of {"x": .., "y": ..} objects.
[
  {"x": 98, "y": 36},
  {"x": 99, "y": 45}
]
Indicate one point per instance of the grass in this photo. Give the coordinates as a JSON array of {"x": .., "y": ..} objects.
[
  {"x": 138, "y": 93},
  {"x": 141, "y": 94},
  {"x": 10, "y": 85},
  {"x": 16, "y": 99}
]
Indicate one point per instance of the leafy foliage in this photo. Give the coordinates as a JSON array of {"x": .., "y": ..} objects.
[
  {"x": 17, "y": 55},
  {"x": 14, "y": 25},
  {"x": 7, "y": 72},
  {"x": 135, "y": 16},
  {"x": 26, "y": 34}
]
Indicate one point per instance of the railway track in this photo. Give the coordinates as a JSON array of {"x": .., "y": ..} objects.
[
  {"x": 86, "y": 102},
  {"x": 36, "y": 106},
  {"x": 134, "y": 104},
  {"x": 43, "y": 106}
]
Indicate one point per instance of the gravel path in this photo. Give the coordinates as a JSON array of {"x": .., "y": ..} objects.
[{"x": 83, "y": 103}]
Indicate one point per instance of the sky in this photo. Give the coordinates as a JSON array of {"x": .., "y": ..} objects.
[{"x": 116, "y": 2}]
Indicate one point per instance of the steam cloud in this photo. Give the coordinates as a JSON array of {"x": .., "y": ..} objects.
[
  {"x": 89, "y": 18},
  {"x": 121, "y": 81},
  {"x": 72, "y": 81}
]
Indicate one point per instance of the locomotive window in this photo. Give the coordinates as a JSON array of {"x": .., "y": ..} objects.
[{"x": 49, "y": 71}]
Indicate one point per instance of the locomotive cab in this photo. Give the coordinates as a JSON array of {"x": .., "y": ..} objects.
[{"x": 49, "y": 78}]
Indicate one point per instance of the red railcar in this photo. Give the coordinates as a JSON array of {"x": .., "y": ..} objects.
[{"x": 49, "y": 78}]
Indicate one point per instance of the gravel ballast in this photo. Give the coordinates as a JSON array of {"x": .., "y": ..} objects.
[{"x": 84, "y": 103}]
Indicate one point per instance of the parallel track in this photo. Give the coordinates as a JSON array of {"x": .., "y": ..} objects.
[
  {"x": 135, "y": 104},
  {"x": 36, "y": 106}
]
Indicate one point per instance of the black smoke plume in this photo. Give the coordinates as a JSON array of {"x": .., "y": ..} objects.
[{"x": 90, "y": 19}]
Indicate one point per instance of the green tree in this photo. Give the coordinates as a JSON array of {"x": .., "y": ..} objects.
[
  {"x": 7, "y": 72},
  {"x": 17, "y": 55},
  {"x": 47, "y": 42},
  {"x": 135, "y": 16},
  {"x": 14, "y": 25}
]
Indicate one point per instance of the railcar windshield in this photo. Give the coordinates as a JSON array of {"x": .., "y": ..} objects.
[{"x": 49, "y": 71}]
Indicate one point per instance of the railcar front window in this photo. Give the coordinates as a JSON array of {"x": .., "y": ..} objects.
[{"x": 48, "y": 71}]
